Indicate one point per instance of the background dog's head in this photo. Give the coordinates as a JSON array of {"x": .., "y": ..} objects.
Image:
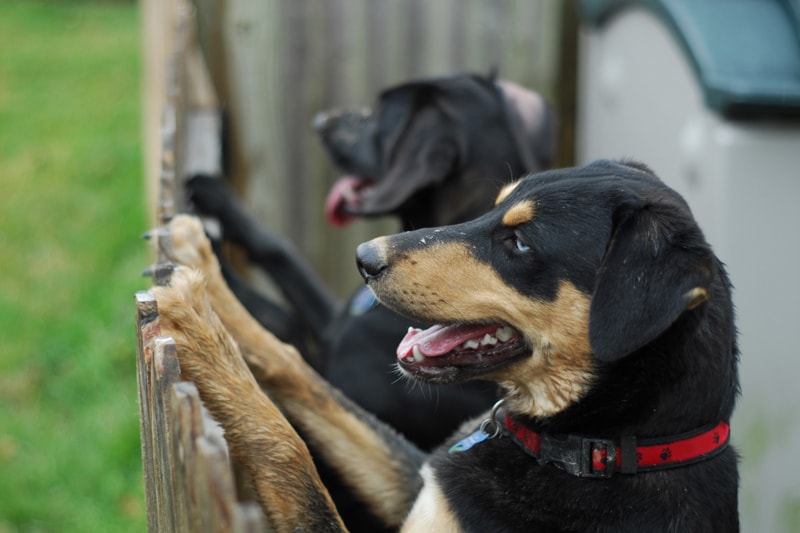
[
  {"x": 571, "y": 281},
  {"x": 434, "y": 151}
]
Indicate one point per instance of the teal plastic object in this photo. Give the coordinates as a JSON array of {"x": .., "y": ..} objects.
[{"x": 745, "y": 53}]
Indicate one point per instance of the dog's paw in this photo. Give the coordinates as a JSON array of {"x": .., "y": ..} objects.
[
  {"x": 182, "y": 305},
  {"x": 214, "y": 197},
  {"x": 189, "y": 245},
  {"x": 210, "y": 195},
  {"x": 204, "y": 346}
]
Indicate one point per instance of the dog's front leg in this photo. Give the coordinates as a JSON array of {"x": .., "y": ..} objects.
[
  {"x": 379, "y": 465},
  {"x": 301, "y": 286},
  {"x": 278, "y": 462}
]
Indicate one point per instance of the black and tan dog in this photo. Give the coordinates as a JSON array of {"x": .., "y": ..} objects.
[
  {"x": 432, "y": 152},
  {"x": 588, "y": 294}
]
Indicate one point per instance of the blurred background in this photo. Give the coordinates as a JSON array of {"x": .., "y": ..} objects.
[
  {"x": 71, "y": 212},
  {"x": 82, "y": 86}
]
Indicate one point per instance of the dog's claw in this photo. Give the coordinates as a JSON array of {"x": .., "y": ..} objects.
[
  {"x": 161, "y": 231},
  {"x": 159, "y": 269},
  {"x": 166, "y": 266}
]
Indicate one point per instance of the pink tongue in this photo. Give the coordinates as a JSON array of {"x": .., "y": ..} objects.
[
  {"x": 440, "y": 340},
  {"x": 337, "y": 200}
]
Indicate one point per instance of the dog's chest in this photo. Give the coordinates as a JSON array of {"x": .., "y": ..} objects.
[
  {"x": 484, "y": 484},
  {"x": 431, "y": 511}
]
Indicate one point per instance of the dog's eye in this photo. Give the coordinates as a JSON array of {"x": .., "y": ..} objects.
[
  {"x": 520, "y": 245},
  {"x": 514, "y": 242}
]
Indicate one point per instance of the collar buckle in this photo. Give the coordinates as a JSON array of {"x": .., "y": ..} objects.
[
  {"x": 598, "y": 458},
  {"x": 580, "y": 456}
]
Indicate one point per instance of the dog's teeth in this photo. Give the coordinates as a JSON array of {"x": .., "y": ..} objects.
[
  {"x": 488, "y": 340},
  {"x": 505, "y": 333},
  {"x": 472, "y": 344},
  {"x": 418, "y": 357}
]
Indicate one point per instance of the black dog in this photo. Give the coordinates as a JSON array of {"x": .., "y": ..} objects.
[
  {"x": 588, "y": 294},
  {"x": 433, "y": 152}
]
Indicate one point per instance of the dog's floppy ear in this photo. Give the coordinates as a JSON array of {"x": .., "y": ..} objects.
[
  {"x": 419, "y": 149},
  {"x": 396, "y": 107},
  {"x": 648, "y": 278}
]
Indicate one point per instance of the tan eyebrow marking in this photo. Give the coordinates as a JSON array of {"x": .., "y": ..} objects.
[
  {"x": 505, "y": 191},
  {"x": 519, "y": 213}
]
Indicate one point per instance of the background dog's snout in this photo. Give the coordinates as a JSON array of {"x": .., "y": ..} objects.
[
  {"x": 370, "y": 260},
  {"x": 321, "y": 121}
]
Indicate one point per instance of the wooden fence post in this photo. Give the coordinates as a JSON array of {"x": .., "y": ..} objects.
[
  {"x": 189, "y": 482},
  {"x": 147, "y": 329}
]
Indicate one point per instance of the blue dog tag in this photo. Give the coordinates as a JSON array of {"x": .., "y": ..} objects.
[
  {"x": 363, "y": 301},
  {"x": 469, "y": 441}
]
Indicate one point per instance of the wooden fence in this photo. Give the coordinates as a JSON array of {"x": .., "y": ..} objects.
[
  {"x": 270, "y": 66},
  {"x": 189, "y": 480}
]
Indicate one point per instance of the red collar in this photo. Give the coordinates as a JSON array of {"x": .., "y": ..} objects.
[{"x": 593, "y": 457}]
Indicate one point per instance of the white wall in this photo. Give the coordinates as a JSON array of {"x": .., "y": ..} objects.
[{"x": 638, "y": 97}]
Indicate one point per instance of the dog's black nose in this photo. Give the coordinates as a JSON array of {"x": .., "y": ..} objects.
[{"x": 370, "y": 259}]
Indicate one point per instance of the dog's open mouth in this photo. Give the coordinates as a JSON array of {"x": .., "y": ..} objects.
[
  {"x": 451, "y": 352},
  {"x": 344, "y": 199}
]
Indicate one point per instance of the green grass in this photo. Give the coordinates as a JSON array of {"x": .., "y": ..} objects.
[{"x": 71, "y": 210}]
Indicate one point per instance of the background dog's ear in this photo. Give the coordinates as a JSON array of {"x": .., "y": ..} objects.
[
  {"x": 649, "y": 277},
  {"x": 533, "y": 125},
  {"x": 396, "y": 107},
  {"x": 418, "y": 150}
]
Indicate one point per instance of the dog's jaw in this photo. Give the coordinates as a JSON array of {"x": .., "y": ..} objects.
[
  {"x": 545, "y": 384},
  {"x": 458, "y": 352}
]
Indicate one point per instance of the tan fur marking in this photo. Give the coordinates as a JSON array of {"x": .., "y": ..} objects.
[
  {"x": 356, "y": 452},
  {"x": 695, "y": 297},
  {"x": 191, "y": 247},
  {"x": 519, "y": 213},
  {"x": 447, "y": 284},
  {"x": 431, "y": 511},
  {"x": 505, "y": 191}
]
